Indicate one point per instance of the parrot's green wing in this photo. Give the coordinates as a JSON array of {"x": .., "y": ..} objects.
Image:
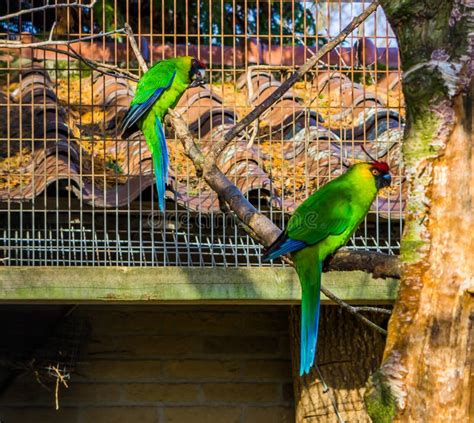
[
  {"x": 149, "y": 89},
  {"x": 326, "y": 212},
  {"x": 158, "y": 76}
]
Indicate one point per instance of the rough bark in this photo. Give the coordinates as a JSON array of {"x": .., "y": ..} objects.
[
  {"x": 348, "y": 352},
  {"x": 425, "y": 375},
  {"x": 378, "y": 264}
]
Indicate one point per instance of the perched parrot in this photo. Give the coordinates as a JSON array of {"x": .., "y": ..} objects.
[
  {"x": 323, "y": 223},
  {"x": 159, "y": 89}
]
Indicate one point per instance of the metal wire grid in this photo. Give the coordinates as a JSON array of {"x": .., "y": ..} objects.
[
  {"x": 57, "y": 227},
  {"x": 80, "y": 246}
]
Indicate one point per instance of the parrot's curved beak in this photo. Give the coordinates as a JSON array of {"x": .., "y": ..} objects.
[
  {"x": 199, "y": 79},
  {"x": 383, "y": 180}
]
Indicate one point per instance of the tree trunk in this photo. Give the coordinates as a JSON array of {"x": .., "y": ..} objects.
[
  {"x": 425, "y": 375},
  {"x": 348, "y": 352}
]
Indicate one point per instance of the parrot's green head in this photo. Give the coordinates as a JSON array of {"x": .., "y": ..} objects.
[
  {"x": 192, "y": 68},
  {"x": 378, "y": 172}
]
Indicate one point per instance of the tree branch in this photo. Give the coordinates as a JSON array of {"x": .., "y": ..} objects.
[
  {"x": 378, "y": 264},
  {"x": 220, "y": 145},
  {"x": 353, "y": 310},
  {"x": 51, "y": 45},
  {"x": 266, "y": 231},
  {"x": 49, "y": 6},
  {"x": 103, "y": 68},
  {"x": 134, "y": 45},
  {"x": 258, "y": 226},
  {"x": 371, "y": 309},
  {"x": 51, "y": 42},
  {"x": 110, "y": 70}
]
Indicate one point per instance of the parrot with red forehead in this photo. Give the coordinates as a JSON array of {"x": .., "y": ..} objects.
[
  {"x": 323, "y": 223},
  {"x": 158, "y": 90}
]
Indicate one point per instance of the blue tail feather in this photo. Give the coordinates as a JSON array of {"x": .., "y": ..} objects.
[
  {"x": 310, "y": 307},
  {"x": 160, "y": 163}
]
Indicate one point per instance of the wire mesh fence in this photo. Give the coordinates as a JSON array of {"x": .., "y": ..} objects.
[{"x": 73, "y": 192}]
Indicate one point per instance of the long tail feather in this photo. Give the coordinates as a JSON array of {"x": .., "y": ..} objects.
[
  {"x": 309, "y": 272},
  {"x": 160, "y": 163},
  {"x": 139, "y": 110},
  {"x": 156, "y": 141}
]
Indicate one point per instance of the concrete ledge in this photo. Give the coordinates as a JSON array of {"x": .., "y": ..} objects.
[{"x": 247, "y": 285}]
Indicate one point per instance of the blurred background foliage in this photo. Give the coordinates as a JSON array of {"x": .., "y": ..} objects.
[{"x": 214, "y": 22}]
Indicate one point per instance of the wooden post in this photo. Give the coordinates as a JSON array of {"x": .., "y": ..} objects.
[{"x": 425, "y": 376}]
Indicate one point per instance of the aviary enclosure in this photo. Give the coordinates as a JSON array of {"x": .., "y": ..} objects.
[{"x": 74, "y": 193}]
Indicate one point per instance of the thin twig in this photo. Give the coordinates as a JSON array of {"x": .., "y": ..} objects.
[
  {"x": 50, "y": 42},
  {"x": 352, "y": 310},
  {"x": 56, "y": 394},
  {"x": 50, "y": 45},
  {"x": 346, "y": 306},
  {"x": 60, "y": 378},
  {"x": 134, "y": 45},
  {"x": 103, "y": 68},
  {"x": 49, "y": 6},
  {"x": 110, "y": 69},
  {"x": 51, "y": 33},
  {"x": 257, "y": 68},
  {"x": 287, "y": 84},
  {"x": 253, "y": 136},
  {"x": 373, "y": 310},
  {"x": 331, "y": 396}
]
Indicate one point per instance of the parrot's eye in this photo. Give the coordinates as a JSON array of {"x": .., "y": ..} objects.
[{"x": 375, "y": 172}]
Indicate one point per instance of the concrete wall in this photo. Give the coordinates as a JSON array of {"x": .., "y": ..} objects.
[{"x": 170, "y": 364}]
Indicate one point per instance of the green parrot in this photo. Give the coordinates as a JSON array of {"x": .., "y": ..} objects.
[
  {"x": 323, "y": 223},
  {"x": 158, "y": 90}
]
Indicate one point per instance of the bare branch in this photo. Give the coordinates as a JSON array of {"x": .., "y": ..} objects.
[
  {"x": 103, "y": 68},
  {"x": 51, "y": 33},
  {"x": 258, "y": 226},
  {"x": 352, "y": 310},
  {"x": 52, "y": 45},
  {"x": 250, "y": 219},
  {"x": 136, "y": 50},
  {"x": 109, "y": 69},
  {"x": 378, "y": 264},
  {"x": 51, "y": 42},
  {"x": 266, "y": 231},
  {"x": 48, "y": 6},
  {"x": 287, "y": 84},
  {"x": 371, "y": 309}
]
